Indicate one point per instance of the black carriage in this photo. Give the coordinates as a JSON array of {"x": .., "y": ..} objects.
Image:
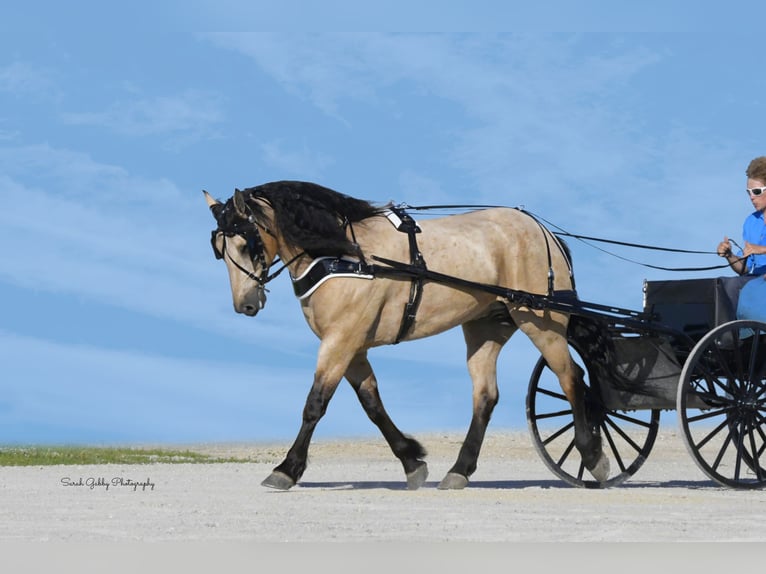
[{"x": 685, "y": 352}]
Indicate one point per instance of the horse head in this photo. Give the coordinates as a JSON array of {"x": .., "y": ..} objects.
[{"x": 238, "y": 241}]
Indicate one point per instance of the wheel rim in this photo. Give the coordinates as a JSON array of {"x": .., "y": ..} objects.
[
  {"x": 627, "y": 436},
  {"x": 722, "y": 404}
]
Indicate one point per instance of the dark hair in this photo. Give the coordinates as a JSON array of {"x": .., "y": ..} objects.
[{"x": 757, "y": 169}]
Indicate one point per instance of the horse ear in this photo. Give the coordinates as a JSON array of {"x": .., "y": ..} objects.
[
  {"x": 211, "y": 201},
  {"x": 240, "y": 207},
  {"x": 214, "y": 205}
]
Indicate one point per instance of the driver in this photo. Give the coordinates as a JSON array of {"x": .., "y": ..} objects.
[{"x": 749, "y": 261}]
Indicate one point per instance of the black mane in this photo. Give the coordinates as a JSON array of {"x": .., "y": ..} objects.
[{"x": 311, "y": 217}]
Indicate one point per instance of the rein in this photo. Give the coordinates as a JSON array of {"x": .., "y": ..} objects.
[
  {"x": 416, "y": 270},
  {"x": 584, "y": 238}
]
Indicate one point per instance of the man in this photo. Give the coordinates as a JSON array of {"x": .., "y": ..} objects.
[{"x": 749, "y": 261}]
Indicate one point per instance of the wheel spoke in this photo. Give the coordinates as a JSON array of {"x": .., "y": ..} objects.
[
  {"x": 739, "y": 445},
  {"x": 558, "y": 433},
  {"x": 612, "y": 446},
  {"x": 567, "y": 452},
  {"x": 623, "y": 434},
  {"x": 554, "y": 414},
  {"x": 708, "y": 414},
  {"x": 722, "y": 451},
  {"x": 756, "y": 466},
  {"x": 554, "y": 394},
  {"x": 759, "y": 430},
  {"x": 712, "y": 434},
  {"x": 581, "y": 470},
  {"x": 709, "y": 394},
  {"x": 632, "y": 420}
]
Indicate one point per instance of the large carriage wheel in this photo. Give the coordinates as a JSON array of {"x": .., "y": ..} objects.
[
  {"x": 627, "y": 436},
  {"x": 722, "y": 404}
]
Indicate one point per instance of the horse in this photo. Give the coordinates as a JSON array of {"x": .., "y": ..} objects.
[{"x": 328, "y": 242}]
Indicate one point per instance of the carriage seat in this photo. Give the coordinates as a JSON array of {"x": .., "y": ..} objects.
[{"x": 692, "y": 306}]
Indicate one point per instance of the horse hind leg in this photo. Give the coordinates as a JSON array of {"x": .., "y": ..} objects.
[
  {"x": 548, "y": 333},
  {"x": 484, "y": 338},
  {"x": 408, "y": 450}
]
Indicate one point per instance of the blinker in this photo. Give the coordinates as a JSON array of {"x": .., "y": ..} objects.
[{"x": 216, "y": 251}]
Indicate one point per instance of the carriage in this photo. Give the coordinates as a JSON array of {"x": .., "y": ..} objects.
[
  {"x": 684, "y": 351},
  {"x": 605, "y": 373}
]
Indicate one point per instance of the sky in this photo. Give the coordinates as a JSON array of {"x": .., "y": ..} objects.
[{"x": 116, "y": 322}]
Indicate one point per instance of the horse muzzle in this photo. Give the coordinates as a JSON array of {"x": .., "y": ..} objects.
[{"x": 252, "y": 303}]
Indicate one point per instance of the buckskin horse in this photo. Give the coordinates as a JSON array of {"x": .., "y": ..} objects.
[{"x": 368, "y": 275}]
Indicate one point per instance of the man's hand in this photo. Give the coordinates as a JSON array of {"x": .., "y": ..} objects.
[
  {"x": 753, "y": 249},
  {"x": 724, "y": 248}
]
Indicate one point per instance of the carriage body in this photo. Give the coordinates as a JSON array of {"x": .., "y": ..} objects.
[{"x": 640, "y": 369}]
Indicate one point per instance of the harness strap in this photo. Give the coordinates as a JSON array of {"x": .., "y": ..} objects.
[
  {"x": 404, "y": 223},
  {"x": 551, "y": 275}
]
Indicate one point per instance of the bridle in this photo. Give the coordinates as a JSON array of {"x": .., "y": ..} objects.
[{"x": 230, "y": 225}]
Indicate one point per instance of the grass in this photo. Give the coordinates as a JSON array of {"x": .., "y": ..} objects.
[{"x": 77, "y": 455}]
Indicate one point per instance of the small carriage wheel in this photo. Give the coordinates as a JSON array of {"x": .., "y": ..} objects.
[
  {"x": 627, "y": 436},
  {"x": 721, "y": 404}
]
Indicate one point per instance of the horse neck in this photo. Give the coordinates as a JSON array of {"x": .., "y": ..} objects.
[{"x": 275, "y": 244}]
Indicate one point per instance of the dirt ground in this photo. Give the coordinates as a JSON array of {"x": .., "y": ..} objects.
[
  {"x": 352, "y": 512},
  {"x": 354, "y": 491}
]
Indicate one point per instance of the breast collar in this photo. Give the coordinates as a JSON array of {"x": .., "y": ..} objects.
[{"x": 324, "y": 268}]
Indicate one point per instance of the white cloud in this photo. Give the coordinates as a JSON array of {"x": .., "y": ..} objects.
[
  {"x": 301, "y": 163},
  {"x": 531, "y": 102},
  {"x": 320, "y": 67},
  {"x": 418, "y": 189},
  {"x": 23, "y": 79},
  {"x": 191, "y": 112}
]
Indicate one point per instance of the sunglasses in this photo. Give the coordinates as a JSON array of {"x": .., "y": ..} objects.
[{"x": 756, "y": 191}]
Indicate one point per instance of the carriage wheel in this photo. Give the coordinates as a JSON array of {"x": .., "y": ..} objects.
[
  {"x": 627, "y": 436},
  {"x": 722, "y": 404}
]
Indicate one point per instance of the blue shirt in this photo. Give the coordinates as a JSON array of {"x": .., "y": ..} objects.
[{"x": 754, "y": 231}]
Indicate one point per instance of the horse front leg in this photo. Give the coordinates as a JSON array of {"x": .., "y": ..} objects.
[
  {"x": 326, "y": 379},
  {"x": 484, "y": 339},
  {"x": 408, "y": 450}
]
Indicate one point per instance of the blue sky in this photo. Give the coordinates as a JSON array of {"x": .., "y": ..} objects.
[{"x": 116, "y": 323}]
